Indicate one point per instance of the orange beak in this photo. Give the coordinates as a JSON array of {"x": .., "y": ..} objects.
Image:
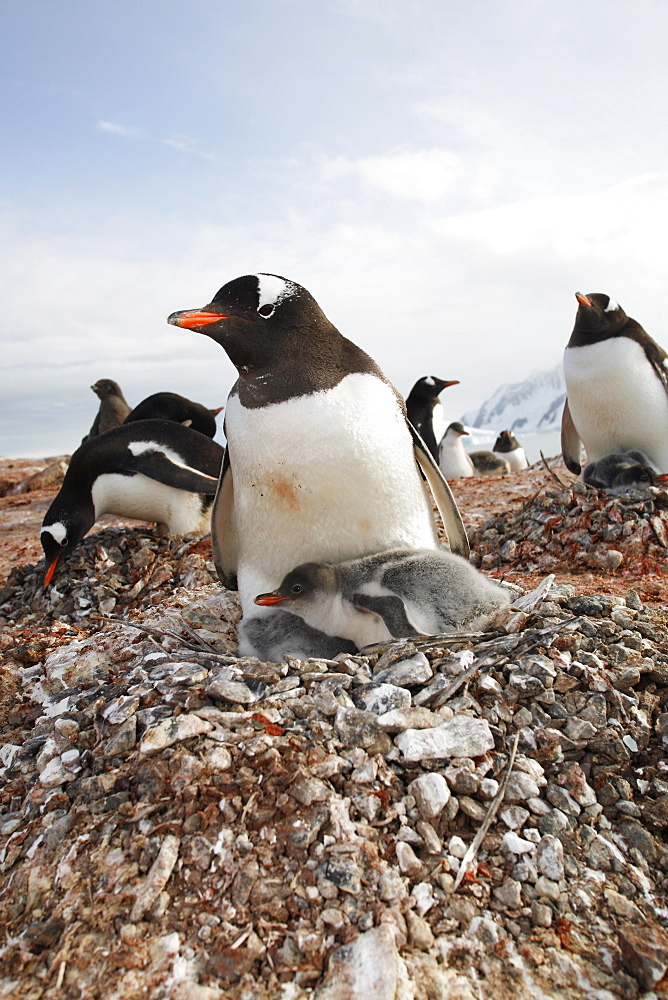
[
  {"x": 582, "y": 299},
  {"x": 269, "y": 599},
  {"x": 48, "y": 576},
  {"x": 195, "y": 319}
]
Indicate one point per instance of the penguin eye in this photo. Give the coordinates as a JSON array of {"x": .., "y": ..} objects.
[
  {"x": 63, "y": 542},
  {"x": 267, "y": 310},
  {"x": 297, "y": 589}
]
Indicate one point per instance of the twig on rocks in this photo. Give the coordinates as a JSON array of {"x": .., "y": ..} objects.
[
  {"x": 486, "y": 823},
  {"x": 552, "y": 472},
  {"x": 198, "y": 645}
]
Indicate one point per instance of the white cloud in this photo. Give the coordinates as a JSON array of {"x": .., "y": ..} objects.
[{"x": 184, "y": 143}]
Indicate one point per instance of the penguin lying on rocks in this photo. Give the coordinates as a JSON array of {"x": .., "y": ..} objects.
[
  {"x": 621, "y": 472},
  {"x": 152, "y": 470},
  {"x": 113, "y": 408},
  {"x": 171, "y": 406},
  {"x": 389, "y": 595},
  {"x": 617, "y": 384},
  {"x": 509, "y": 448},
  {"x": 321, "y": 462},
  {"x": 425, "y": 410},
  {"x": 456, "y": 463}
]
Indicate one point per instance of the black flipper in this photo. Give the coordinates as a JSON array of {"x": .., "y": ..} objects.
[
  {"x": 446, "y": 503},
  {"x": 571, "y": 445},
  {"x": 391, "y": 609},
  {"x": 156, "y": 465},
  {"x": 224, "y": 529}
]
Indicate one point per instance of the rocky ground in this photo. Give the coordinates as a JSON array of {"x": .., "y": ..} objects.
[{"x": 464, "y": 817}]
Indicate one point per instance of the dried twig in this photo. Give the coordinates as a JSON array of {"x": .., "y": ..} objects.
[
  {"x": 545, "y": 462},
  {"x": 486, "y": 823}
]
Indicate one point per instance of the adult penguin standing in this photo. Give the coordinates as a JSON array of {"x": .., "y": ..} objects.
[
  {"x": 320, "y": 462},
  {"x": 425, "y": 410}
]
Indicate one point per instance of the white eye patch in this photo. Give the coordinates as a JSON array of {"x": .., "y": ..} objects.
[
  {"x": 271, "y": 289},
  {"x": 429, "y": 380},
  {"x": 611, "y": 306},
  {"x": 57, "y": 530}
]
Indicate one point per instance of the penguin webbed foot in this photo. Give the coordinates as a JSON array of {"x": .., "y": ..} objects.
[{"x": 272, "y": 637}]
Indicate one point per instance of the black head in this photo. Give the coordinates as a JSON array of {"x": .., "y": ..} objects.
[
  {"x": 63, "y": 528},
  {"x": 299, "y": 585},
  {"x": 250, "y": 317},
  {"x": 598, "y": 317},
  {"x": 506, "y": 441},
  {"x": 429, "y": 386},
  {"x": 105, "y": 387}
]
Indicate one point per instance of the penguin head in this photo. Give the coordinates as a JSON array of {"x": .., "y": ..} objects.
[
  {"x": 251, "y": 316},
  {"x": 598, "y": 313},
  {"x": 456, "y": 430},
  {"x": 300, "y": 587},
  {"x": 61, "y": 531},
  {"x": 105, "y": 387},
  {"x": 506, "y": 441},
  {"x": 429, "y": 386}
]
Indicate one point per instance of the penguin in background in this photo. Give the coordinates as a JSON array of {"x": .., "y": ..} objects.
[
  {"x": 390, "y": 595},
  {"x": 321, "y": 462},
  {"x": 617, "y": 387},
  {"x": 509, "y": 448},
  {"x": 425, "y": 410},
  {"x": 113, "y": 407},
  {"x": 171, "y": 406},
  {"x": 151, "y": 470}
]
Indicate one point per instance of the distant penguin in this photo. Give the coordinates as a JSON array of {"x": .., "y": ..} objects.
[
  {"x": 488, "y": 463},
  {"x": 621, "y": 472},
  {"x": 152, "y": 470},
  {"x": 509, "y": 448},
  {"x": 617, "y": 387},
  {"x": 113, "y": 408},
  {"x": 390, "y": 595},
  {"x": 453, "y": 459},
  {"x": 425, "y": 410},
  {"x": 171, "y": 406},
  {"x": 320, "y": 461}
]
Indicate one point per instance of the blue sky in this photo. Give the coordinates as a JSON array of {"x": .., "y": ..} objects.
[{"x": 442, "y": 176}]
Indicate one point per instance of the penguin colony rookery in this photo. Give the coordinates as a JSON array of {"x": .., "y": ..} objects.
[{"x": 325, "y": 562}]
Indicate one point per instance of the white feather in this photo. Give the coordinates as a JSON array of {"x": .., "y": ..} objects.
[{"x": 145, "y": 499}]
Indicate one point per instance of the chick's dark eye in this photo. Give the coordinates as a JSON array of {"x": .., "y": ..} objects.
[
  {"x": 297, "y": 589},
  {"x": 266, "y": 310}
]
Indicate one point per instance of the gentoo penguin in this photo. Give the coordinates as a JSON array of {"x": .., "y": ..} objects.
[
  {"x": 320, "y": 461},
  {"x": 508, "y": 447},
  {"x": 389, "y": 595},
  {"x": 152, "y": 470},
  {"x": 425, "y": 410},
  {"x": 113, "y": 408},
  {"x": 620, "y": 472},
  {"x": 171, "y": 406},
  {"x": 453, "y": 460},
  {"x": 617, "y": 387}
]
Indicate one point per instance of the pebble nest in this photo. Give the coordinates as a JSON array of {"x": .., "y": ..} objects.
[{"x": 470, "y": 816}]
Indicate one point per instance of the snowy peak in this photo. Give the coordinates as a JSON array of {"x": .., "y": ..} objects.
[{"x": 530, "y": 406}]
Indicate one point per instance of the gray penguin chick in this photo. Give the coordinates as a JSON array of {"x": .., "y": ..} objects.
[{"x": 389, "y": 595}]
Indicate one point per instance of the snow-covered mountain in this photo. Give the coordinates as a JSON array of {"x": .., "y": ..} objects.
[{"x": 534, "y": 405}]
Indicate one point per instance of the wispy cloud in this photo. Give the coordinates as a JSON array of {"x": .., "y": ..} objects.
[{"x": 184, "y": 143}]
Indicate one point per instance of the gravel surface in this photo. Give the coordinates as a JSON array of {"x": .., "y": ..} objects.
[{"x": 464, "y": 817}]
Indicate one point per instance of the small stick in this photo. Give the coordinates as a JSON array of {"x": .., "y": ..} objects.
[
  {"x": 485, "y": 825},
  {"x": 564, "y": 486}
]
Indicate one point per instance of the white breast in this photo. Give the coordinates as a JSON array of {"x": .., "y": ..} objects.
[
  {"x": 325, "y": 477},
  {"x": 145, "y": 499},
  {"x": 452, "y": 458},
  {"x": 616, "y": 400},
  {"x": 516, "y": 459}
]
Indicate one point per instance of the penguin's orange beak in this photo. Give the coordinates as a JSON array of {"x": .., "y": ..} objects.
[
  {"x": 48, "y": 576},
  {"x": 583, "y": 299},
  {"x": 446, "y": 384},
  {"x": 269, "y": 599},
  {"x": 195, "y": 319}
]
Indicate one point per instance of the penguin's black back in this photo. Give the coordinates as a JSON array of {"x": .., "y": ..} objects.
[{"x": 171, "y": 406}]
